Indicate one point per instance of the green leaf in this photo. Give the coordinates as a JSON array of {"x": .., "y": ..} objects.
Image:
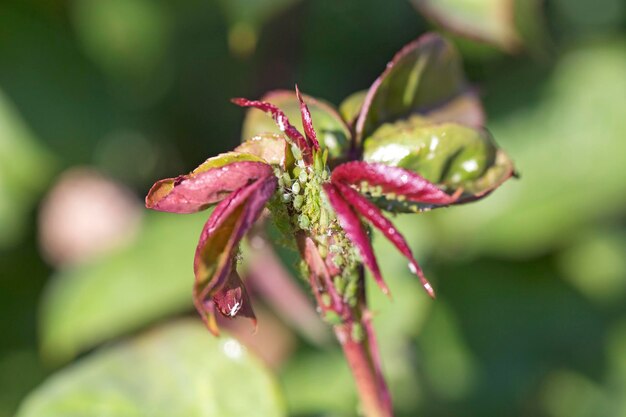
[
  {"x": 332, "y": 131},
  {"x": 25, "y": 169},
  {"x": 450, "y": 155},
  {"x": 270, "y": 147},
  {"x": 425, "y": 77},
  {"x": 568, "y": 148},
  {"x": 351, "y": 106},
  {"x": 487, "y": 20},
  {"x": 176, "y": 370},
  {"x": 91, "y": 303}
]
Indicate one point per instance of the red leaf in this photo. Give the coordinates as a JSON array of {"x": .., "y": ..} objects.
[
  {"x": 283, "y": 124},
  {"x": 307, "y": 122},
  {"x": 373, "y": 214},
  {"x": 351, "y": 224},
  {"x": 219, "y": 241},
  {"x": 391, "y": 180},
  {"x": 198, "y": 190}
]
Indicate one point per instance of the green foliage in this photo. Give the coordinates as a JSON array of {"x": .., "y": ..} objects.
[
  {"x": 177, "y": 370},
  {"x": 25, "y": 168},
  {"x": 531, "y": 283},
  {"x": 91, "y": 303}
]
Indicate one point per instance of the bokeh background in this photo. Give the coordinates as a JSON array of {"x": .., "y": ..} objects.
[{"x": 99, "y": 98}]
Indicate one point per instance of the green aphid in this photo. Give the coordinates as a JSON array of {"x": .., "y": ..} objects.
[
  {"x": 340, "y": 285},
  {"x": 357, "y": 332},
  {"x": 338, "y": 261},
  {"x": 333, "y": 318},
  {"x": 298, "y": 201},
  {"x": 303, "y": 221},
  {"x": 325, "y": 299},
  {"x": 296, "y": 152},
  {"x": 286, "y": 179},
  {"x": 302, "y": 176}
]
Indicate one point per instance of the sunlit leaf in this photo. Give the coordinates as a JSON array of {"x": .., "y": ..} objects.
[
  {"x": 450, "y": 155},
  {"x": 177, "y": 370},
  {"x": 425, "y": 77},
  {"x": 209, "y": 183},
  {"x": 332, "y": 131},
  {"x": 271, "y": 147}
]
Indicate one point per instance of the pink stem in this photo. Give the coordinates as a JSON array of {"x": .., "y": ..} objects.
[
  {"x": 361, "y": 351},
  {"x": 371, "y": 386}
]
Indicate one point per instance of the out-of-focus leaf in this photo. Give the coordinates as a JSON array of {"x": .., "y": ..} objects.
[
  {"x": 569, "y": 394},
  {"x": 178, "y": 370},
  {"x": 25, "y": 168},
  {"x": 596, "y": 265},
  {"x": 448, "y": 154},
  {"x": 246, "y": 17},
  {"x": 449, "y": 366},
  {"x": 91, "y": 303},
  {"x": 332, "y": 131},
  {"x": 301, "y": 380},
  {"x": 486, "y": 20},
  {"x": 425, "y": 77},
  {"x": 127, "y": 38},
  {"x": 568, "y": 147}
]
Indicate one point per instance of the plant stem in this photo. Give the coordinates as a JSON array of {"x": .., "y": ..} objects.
[{"x": 363, "y": 362}]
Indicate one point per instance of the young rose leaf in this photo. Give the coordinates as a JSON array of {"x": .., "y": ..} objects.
[
  {"x": 307, "y": 122},
  {"x": 332, "y": 132},
  {"x": 209, "y": 183},
  {"x": 453, "y": 156},
  {"x": 350, "y": 107},
  {"x": 425, "y": 77},
  {"x": 282, "y": 122},
  {"x": 351, "y": 224},
  {"x": 372, "y": 213},
  {"x": 380, "y": 179},
  {"x": 272, "y": 148},
  {"x": 219, "y": 242}
]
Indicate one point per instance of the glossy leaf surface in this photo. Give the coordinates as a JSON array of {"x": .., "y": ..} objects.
[
  {"x": 450, "y": 155},
  {"x": 381, "y": 179},
  {"x": 209, "y": 183},
  {"x": 425, "y": 76},
  {"x": 219, "y": 241},
  {"x": 332, "y": 131},
  {"x": 176, "y": 370}
]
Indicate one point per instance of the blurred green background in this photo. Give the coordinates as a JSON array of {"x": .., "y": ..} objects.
[{"x": 99, "y": 98}]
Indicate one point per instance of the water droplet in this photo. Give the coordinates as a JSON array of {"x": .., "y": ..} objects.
[
  {"x": 233, "y": 349},
  {"x": 412, "y": 268}
]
